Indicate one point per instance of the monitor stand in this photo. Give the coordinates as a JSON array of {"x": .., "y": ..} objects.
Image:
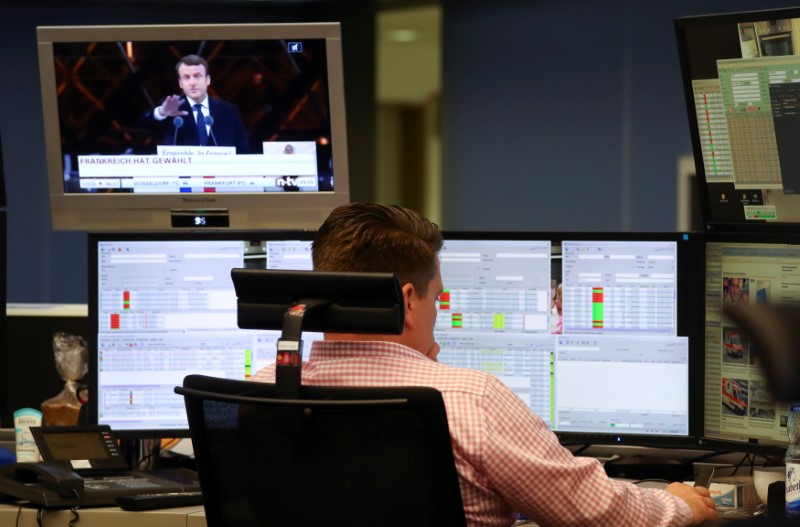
[{"x": 639, "y": 467}]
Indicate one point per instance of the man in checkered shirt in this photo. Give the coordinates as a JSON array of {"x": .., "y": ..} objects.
[{"x": 508, "y": 459}]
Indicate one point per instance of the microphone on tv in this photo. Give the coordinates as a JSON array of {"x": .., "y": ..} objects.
[
  {"x": 210, "y": 122},
  {"x": 177, "y": 122}
]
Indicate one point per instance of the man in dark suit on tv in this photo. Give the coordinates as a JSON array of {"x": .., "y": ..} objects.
[{"x": 199, "y": 120}]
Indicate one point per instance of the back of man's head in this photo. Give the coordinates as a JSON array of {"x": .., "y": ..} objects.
[{"x": 371, "y": 237}]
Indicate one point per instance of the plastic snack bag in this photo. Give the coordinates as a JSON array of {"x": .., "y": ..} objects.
[{"x": 72, "y": 364}]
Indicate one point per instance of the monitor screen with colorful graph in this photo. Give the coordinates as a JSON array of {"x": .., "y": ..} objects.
[
  {"x": 163, "y": 306},
  {"x": 741, "y": 79},
  {"x": 591, "y": 330}
]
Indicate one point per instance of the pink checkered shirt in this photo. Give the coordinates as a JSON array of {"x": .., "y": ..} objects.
[{"x": 508, "y": 459}]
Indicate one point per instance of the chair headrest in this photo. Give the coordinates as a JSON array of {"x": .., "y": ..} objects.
[{"x": 346, "y": 302}]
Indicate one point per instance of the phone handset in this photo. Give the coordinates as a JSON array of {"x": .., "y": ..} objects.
[{"x": 35, "y": 481}]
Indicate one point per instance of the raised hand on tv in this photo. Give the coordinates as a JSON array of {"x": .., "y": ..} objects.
[{"x": 171, "y": 106}]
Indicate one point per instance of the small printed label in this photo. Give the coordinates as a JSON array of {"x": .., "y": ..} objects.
[
  {"x": 78, "y": 464},
  {"x": 288, "y": 345},
  {"x": 793, "y": 488},
  {"x": 25, "y": 418},
  {"x": 760, "y": 212}
]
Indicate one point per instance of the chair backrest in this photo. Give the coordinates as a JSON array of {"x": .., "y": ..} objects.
[{"x": 334, "y": 457}]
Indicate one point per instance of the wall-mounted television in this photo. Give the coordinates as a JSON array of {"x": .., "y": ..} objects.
[
  {"x": 741, "y": 76},
  {"x": 129, "y": 149}
]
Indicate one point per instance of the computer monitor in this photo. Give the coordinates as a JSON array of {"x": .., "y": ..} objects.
[
  {"x": 744, "y": 269},
  {"x": 594, "y": 331},
  {"x": 741, "y": 76},
  {"x": 270, "y": 153},
  {"x": 162, "y": 306}
]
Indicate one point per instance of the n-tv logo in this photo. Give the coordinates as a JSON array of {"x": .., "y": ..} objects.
[{"x": 295, "y": 47}]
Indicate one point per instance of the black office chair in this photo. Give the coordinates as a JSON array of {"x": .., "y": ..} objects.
[{"x": 290, "y": 455}]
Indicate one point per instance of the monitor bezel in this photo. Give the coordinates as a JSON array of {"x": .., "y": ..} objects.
[
  {"x": 689, "y": 247},
  {"x": 93, "y": 240},
  {"x": 681, "y": 25},
  {"x": 115, "y": 212}
]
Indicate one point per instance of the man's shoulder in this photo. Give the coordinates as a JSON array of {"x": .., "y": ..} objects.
[
  {"x": 466, "y": 380},
  {"x": 213, "y": 102}
]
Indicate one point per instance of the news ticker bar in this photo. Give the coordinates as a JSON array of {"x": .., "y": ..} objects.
[
  {"x": 205, "y": 164},
  {"x": 200, "y": 184}
]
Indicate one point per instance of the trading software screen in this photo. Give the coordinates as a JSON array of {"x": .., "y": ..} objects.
[
  {"x": 585, "y": 331},
  {"x": 741, "y": 75},
  {"x": 165, "y": 307}
]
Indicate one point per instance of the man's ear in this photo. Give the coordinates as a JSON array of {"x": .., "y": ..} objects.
[{"x": 409, "y": 295}]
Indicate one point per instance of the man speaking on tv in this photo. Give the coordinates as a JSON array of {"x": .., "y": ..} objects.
[{"x": 197, "y": 119}]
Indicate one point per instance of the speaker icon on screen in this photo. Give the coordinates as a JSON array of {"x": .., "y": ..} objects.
[{"x": 295, "y": 47}]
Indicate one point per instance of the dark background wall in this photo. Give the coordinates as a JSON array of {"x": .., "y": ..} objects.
[{"x": 565, "y": 115}]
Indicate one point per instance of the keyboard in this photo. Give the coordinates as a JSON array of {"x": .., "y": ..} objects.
[{"x": 104, "y": 490}]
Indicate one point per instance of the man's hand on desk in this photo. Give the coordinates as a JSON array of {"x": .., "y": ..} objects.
[{"x": 698, "y": 499}]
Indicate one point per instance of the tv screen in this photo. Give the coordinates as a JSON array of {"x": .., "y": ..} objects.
[
  {"x": 162, "y": 306},
  {"x": 193, "y": 126},
  {"x": 593, "y": 331},
  {"x": 741, "y": 75},
  {"x": 744, "y": 269}
]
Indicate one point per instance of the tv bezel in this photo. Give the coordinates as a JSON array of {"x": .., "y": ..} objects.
[
  {"x": 115, "y": 212},
  {"x": 689, "y": 250},
  {"x": 681, "y": 25}
]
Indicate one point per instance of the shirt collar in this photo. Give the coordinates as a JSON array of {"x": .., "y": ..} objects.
[
  {"x": 203, "y": 103},
  {"x": 340, "y": 349}
]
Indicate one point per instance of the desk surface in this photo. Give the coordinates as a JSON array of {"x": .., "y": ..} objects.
[{"x": 193, "y": 516}]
